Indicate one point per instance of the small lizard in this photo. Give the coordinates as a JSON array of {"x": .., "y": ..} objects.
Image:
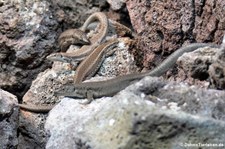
[
  {"x": 72, "y": 36},
  {"x": 91, "y": 90},
  {"x": 89, "y": 66},
  {"x": 36, "y": 108},
  {"x": 85, "y": 50}
]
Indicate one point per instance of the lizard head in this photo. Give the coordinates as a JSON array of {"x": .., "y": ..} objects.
[
  {"x": 80, "y": 37},
  {"x": 69, "y": 90},
  {"x": 58, "y": 57},
  {"x": 85, "y": 39},
  {"x": 72, "y": 37}
]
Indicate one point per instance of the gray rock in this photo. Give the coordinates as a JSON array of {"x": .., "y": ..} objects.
[
  {"x": 148, "y": 114},
  {"x": 116, "y": 4},
  {"x": 8, "y": 120},
  {"x": 26, "y": 38},
  {"x": 217, "y": 70},
  {"x": 195, "y": 64},
  {"x": 203, "y": 64}
]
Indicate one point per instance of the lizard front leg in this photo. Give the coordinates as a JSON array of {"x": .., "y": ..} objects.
[{"x": 90, "y": 97}]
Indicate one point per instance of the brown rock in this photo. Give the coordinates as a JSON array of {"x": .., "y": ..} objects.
[{"x": 164, "y": 26}]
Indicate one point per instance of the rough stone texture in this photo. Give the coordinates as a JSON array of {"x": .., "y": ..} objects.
[
  {"x": 27, "y": 35},
  {"x": 116, "y": 4},
  {"x": 217, "y": 70},
  {"x": 203, "y": 67},
  {"x": 193, "y": 67},
  {"x": 8, "y": 120},
  {"x": 31, "y": 132},
  {"x": 163, "y": 26},
  {"x": 121, "y": 63},
  {"x": 148, "y": 114},
  {"x": 73, "y": 13}
]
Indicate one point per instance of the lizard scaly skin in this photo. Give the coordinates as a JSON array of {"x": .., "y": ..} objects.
[
  {"x": 36, "y": 108},
  {"x": 89, "y": 66},
  {"x": 110, "y": 87},
  {"x": 72, "y": 36},
  {"x": 93, "y": 62},
  {"x": 95, "y": 40}
]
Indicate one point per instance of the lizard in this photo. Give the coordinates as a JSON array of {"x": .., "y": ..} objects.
[
  {"x": 72, "y": 36},
  {"x": 91, "y": 90},
  {"x": 93, "y": 62},
  {"x": 89, "y": 66},
  {"x": 81, "y": 53},
  {"x": 36, "y": 108}
]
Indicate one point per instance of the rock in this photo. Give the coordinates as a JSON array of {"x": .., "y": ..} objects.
[
  {"x": 204, "y": 64},
  {"x": 9, "y": 120},
  {"x": 217, "y": 70},
  {"x": 116, "y": 4},
  {"x": 74, "y": 13},
  {"x": 217, "y": 73},
  {"x": 26, "y": 39},
  {"x": 193, "y": 66},
  {"x": 29, "y": 35},
  {"x": 148, "y": 114},
  {"x": 164, "y": 26},
  {"x": 31, "y": 132}
]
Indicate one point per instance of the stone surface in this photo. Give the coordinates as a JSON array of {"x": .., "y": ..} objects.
[
  {"x": 217, "y": 70},
  {"x": 203, "y": 67},
  {"x": 164, "y": 26},
  {"x": 26, "y": 38},
  {"x": 74, "y": 13},
  {"x": 31, "y": 132},
  {"x": 116, "y": 4},
  {"x": 8, "y": 120},
  {"x": 193, "y": 66},
  {"x": 148, "y": 114}
]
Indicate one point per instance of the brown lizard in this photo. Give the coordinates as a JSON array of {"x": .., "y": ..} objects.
[
  {"x": 36, "y": 108},
  {"x": 72, "y": 36},
  {"x": 95, "y": 40},
  {"x": 110, "y": 87},
  {"x": 93, "y": 62},
  {"x": 89, "y": 66}
]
